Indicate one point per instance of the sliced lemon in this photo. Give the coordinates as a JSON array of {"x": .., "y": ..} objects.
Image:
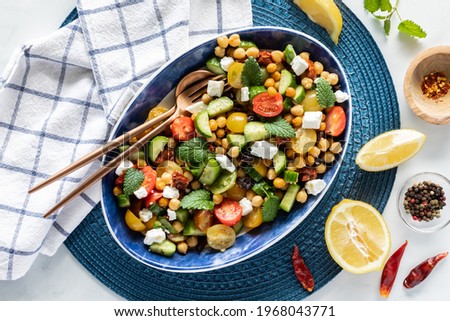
[
  {"x": 325, "y": 13},
  {"x": 357, "y": 237},
  {"x": 389, "y": 149}
]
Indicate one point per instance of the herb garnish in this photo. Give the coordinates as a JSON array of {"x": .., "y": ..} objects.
[
  {"x": 198, "y": 200},
  {"x": 270, "y": 208},
  {"x": 408, "y": 27},
  {"x": 324, "y": 93},
  {"x": 132, "y": 180},
  {"x": 251, "y": 74},
  {"x": 280, "y": 128},
  {"x": 194, "y": 151}
]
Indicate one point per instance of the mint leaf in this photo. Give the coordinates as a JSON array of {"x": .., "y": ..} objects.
[
  {"x": 385, "y": 5},
  {"x": 387, "y": 26},
  {"x": 372, "y": 5},
  {"x": 411, "y": 28},
  {"x": 251, "y": 74},
  {"x": 132, "y": 181},
  {"x": 280, "y": 128},
  {"x": 198, "y": 200},
  {"x": 270, "y": 208},
  {"x": 324, "y": 93},
  {"x": 194, "y": 151}
]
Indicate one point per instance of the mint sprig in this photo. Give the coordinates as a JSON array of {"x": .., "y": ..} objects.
[
  {"x": 132, "y": 180},
  {"x": 270, "y": 208},
  {"x": 251, "y": 74},
  {"x": 194, "y": 151},
  {"x": 280, "y": 128},
  {"x": 198, "y": 200},
  {"x": 324, "y": 93},
  {"x": 383, "y": 10}
]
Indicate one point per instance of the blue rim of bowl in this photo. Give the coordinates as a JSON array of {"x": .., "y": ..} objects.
[
  {"x": 401, "y": 194},
  {"x": 316, "y": 200}
]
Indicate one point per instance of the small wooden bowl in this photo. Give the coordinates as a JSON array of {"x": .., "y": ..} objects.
[{"x": 434, "y": 111}]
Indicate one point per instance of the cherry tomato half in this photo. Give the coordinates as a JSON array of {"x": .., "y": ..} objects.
[
  {"x": 183, "y": 128},
  {"x": 149, "y": 178},
  {"x": 268, "y": 106},
  {"x": 152, "y": 197},
  {"x": 228, "y": 212},
  {"x": 335, "y": 121}
]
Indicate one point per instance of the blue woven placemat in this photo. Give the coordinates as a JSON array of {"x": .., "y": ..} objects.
[{"x": 269, "y": 275}]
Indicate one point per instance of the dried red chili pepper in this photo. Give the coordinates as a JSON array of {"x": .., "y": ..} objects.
[
  {"x": 390, "y": 271},
  {"x": 301, "y": 270},
  {"x": 421, "y": 271}
]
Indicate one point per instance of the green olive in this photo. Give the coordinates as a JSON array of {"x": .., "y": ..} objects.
[{"x": 220, "y": 237}]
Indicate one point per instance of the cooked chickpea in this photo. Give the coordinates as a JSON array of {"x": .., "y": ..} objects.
[
  {"x": 276, "y": 76},
  {"x": 250, "y": 194},
  {"x": 333, "y": 79},
  {"x": 182, "y": 247},
  {"x": 222, "y": 41},
  {"x": 323, "y": 117},
  {"x": 279, "y": 183},
  {"x": 277, "y": 56},
  {"x": 272, "y": 91},
  {"x": 336, "y": 147},
  {"x": 299, "y": 162},
  {"x": 271, "y": 174},
  {"x": 233, "y": 152},
  {"x": 314, "y": 151},
  {"x": 271, "y": 68},
  {"x": 217, "y": 198},
  {"x": 307, "y": 83},
  {"x": 269, "y": 82},
  {"x": 277, "y": 85},
  {"x": 323, "y": 126},
  {"x": 174, "y": 204},
  {"x": 141, "y": 163},
  {"x": 230, "y": 51},
  {"x": 297, "y": 110},
  {"x": 193, "y": 116},
  {"x": 322, "y": 168},
  {"x": 160, "y": 184},
  {"x": 195, "y": 185},
  {"x": 221, "y": 122},
  {"x": 225, "y": 143},
  {"x": 212, "y": 139},
  {"x": 328, "y": 157},
  {"x": 167, "y": 178},
  {"x": 325, "y": 75},
  {"x": 252, "y": 52},
  {"x": 219, "y": 51},
  {"x": 220, "y": 150},
  {"x": 220, "y": 133},
  {"x": 117, "y": 191},
  {"x": 239, "y": 54},
  {"x": 257, "y": 201},
  {"x": 290, "y": 153},
  {"x": 188, "y": 175},
  {"x": 288, "y": 118},
  {"x": 304, "y": 55},
  {"x": 177, "y": 225},
  {"x": 171, "y": 143},
  {"x": 310, "y": 160},
  {"x": 301, "y": 196},
  {"x": 192, "y": 241},
  {"x": 297, "y": 121},
  {"x": 163, "y": 202},
  {"x": 213, "y": 125},
  {"x": 206, "y": 99},
  {"x": 318, "y": 67},
  {"x": 234, "y": 40},
  {"x": 323, "y": 144},
  {"x": 240, "y": 173},
  {"x": 290, "y": 92}
]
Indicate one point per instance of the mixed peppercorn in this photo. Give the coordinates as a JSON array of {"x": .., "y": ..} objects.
[{"x": 424, "y": 201}]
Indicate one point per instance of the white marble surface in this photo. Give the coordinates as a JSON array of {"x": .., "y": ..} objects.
[{"x": 61, "y": 277}]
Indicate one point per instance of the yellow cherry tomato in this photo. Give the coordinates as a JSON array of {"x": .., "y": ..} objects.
[
  {"x": 234, "y": 74},
  {"x": 254, "y": 219},
  {"x": 133, "y": 222},
  {"x": 236, "y": 122}
]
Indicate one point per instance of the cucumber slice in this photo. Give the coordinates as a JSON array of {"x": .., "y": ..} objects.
[
  {"x": 182, "y": 215},
  {"x": 256, "y": 90},
  {"x": 123, "y": 200},
  {"x": 219, "y": 106},
  {"x": 238, "y": 226},
  {"x": 254, "y": 131},
  {"x": 291, "y": 177},
  {"x": 289, "y": 53},
  {"x": 156, "y": 146},
  {"x": 288, "y": 103},
  {"x": 197, "y": 171},
  {"x": 287, "y": 80},
  {"x": 253, "y": 173},
  {"x": 236, "y": 140},
  {"x": 279, "y": 162},
  {"x": 201, "y": 123},
  {"x": 247, "y": 44},
  {"x": 211, "y": 172},
  {"x": 225, "y": 182},
  {"x": 191, "y": 230},
  {"x": 213, "y": 65},
  {"x": 289, "y": 198},
  {"x": 166, "y": 248},
  {"x": 264, "y": 74},
  {"x": 300, "y": 94},
  {"x": 157, "y": 210}
]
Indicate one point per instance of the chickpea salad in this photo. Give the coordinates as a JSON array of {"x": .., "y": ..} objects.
[{"x": 258, "y": 142}]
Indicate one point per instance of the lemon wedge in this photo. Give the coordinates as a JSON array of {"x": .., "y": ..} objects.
[
  {"x": 357, "y": 237},
  {"x": 389, "y": 149},
  {"x": 325, "y": 13}
]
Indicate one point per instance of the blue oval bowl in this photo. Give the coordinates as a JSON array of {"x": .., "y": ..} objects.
[{"x": 158, "y": 87}]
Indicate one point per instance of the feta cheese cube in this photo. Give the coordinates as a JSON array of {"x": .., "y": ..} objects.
[
  {"x": 247, "y": 207},
  {"x": 197, "y": 107},
  {"x": 245, "y": 94},
  {"x": 215, "y": 88},
  {"x": 141, "y": 192},
  {"x": 226, "y": 62},
  {"x": 315, "y": 186},
  {"x": 156, "y": 235},
  {"x": 299, "y": 65},
  {"x": 312, "y": 119},
  {"x": 225, "y": 163},
  {"x": 126, "y": 164},
  {"x": 170, "y": 192},
  {"x": 172, "y": 215},
  {"x": 341, "y": 96},
  {"x": 263, "y": 149},
  {"x": 145, "y": 215}
]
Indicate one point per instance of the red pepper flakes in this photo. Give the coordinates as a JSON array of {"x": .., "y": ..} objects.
[{"x": 435, "y": 85}]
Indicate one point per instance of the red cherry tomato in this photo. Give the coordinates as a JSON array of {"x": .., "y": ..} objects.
[
  {"x": 183, "y": 128},
  {"x": 268, "y": 106},
  {"x": 335, "y": 121},
  {"x": 228, "y": 212},
  {"x": 152, "y": 197},
  {"x": 149, "y": 178}
]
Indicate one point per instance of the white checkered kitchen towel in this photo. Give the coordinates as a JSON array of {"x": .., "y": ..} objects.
[{"x": 60, "y": 96}]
